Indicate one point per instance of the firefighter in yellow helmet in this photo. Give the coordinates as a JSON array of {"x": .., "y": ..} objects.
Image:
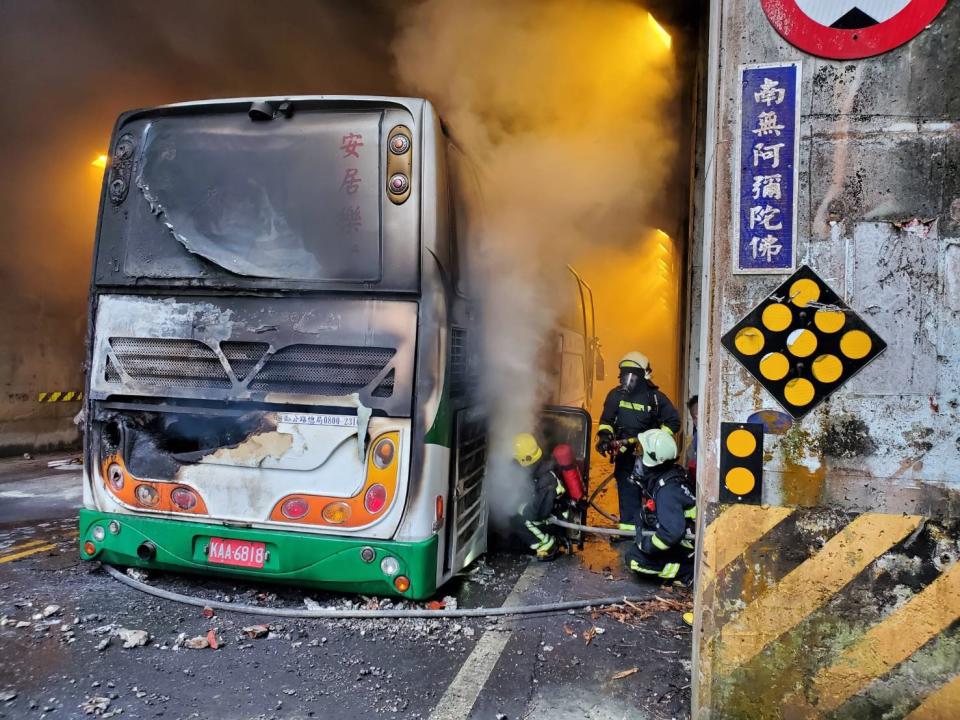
[
  {"x": 546, "y": 488},
  {"x": 666, "y": 554},
  {"x": 634, "y": 407}
]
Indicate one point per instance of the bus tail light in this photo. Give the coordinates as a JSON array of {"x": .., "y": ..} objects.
[
  {"x": 146, "y": 495},
  {"x": 401, "y": 583},
  {"x": 295, "y": 508},
  {"x": 183, "y": 498},
  {"x": 375, "y": 499},
  {"x": 336, "y": 513},
  {"x": 383, "y": 453},
  {"x": 439, "y": 516}
]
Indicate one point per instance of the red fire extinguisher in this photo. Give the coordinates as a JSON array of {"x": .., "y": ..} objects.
[{"x": 569, "y": 471}]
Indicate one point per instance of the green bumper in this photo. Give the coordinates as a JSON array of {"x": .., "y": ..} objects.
[{"x": 321, "y": 561}]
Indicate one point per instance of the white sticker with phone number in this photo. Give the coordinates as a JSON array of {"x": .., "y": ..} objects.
[{"x": 315, "y": 419}]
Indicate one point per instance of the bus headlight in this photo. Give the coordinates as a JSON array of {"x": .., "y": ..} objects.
[
  {"x": 146, "y": 495},
  {"x": 98, "y": 533},
  {"x": 390, "y": 566},
  {"x": 383, "y": 453}
]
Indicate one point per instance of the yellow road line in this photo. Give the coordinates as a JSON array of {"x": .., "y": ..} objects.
[
  {"x": 735, "y": 530},
  {"x": 22, "y": 546},
  {"x": 810, "y": 585},
  {"x": 892, "y": 641},
  {"x": 26, "y": 553},
  {"x": 941, "y": 704}
]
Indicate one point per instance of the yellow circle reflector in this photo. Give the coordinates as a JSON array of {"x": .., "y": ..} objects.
[
  {"x": 774, "y": 366},
  {"x": 798, "y": 392},
  {"x": 801, "y": 343},
  {"x": 741, "y": 443},
  {"x": 804, "y": 291},
  {"x": 827, "y": 368},
  {"x": 855, "y": 344},
  {"x": 749, "y": 341},
  {"x": 739, "y": 480},
  {"x": 829, "y": 321},
  {"x": 777, "y": 317}
]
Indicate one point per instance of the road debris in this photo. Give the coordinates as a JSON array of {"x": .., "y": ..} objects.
[
  {"x": 138, "y": 575},
  {"x": 254, "y": 632},
  {"x": 50, "y": 610},
  {"x": 633, "y": 613},
  {"x": 212, "y": 640},
  {"x": 103, "y": 644},
  {"x": 96, "y": 705},
  {"x": 132, "y": 638},
  {"x": 208, "y": 612},
  {"x": 624, "y": 673},
  {"x": 8, "y": 695}
]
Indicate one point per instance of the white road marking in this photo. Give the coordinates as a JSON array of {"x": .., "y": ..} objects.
[{"x": 462, "y": 693}]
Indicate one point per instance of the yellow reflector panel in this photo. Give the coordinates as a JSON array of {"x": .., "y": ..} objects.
[
  {"x": 855, "y": 344},
  {"x": 777, "y": 317},
  {"x": 774, "y": 366},
  {"x": 802, "y": 343},
  {"x": 829, "y": 321},
  {"x": 749, "y": 341},
  {"x": 741, "y": 443},
  {"x": 804, "y": 291},
  {"x": 827, "y": 368},
  {"x": 798, "y": 392},
  {"x": 739, "y": 481}
]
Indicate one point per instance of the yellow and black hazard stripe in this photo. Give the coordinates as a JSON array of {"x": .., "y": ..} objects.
[
  {"x": 60, "y": 396},
  {"x": 817, "y": 613}
]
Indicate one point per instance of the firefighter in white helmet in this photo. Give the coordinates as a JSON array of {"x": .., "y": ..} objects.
[
  {"x": 634, "y": 407},
  {"x": 667, "y": 553}
]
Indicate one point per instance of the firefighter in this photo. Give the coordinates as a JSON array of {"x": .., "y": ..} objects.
[
  {"x": 667, "y": 553},
  {"x": 531, "y": 520},
  {"x": 634, "y": 407}
]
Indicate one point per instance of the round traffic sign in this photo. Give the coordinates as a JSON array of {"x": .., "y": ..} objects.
[{"x": 850, "y": 29}]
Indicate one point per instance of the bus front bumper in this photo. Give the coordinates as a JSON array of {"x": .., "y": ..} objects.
[{"x": 321, "y": 561}]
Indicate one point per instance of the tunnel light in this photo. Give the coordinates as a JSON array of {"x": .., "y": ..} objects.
[
  {"x": 100, "y": 162},
  {"x": 660, "y": 31}
]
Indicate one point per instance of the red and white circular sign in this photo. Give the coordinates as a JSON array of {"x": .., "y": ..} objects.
[{"x": 850, "y": 29}]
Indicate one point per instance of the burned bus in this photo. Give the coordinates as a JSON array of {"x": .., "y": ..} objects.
[{"x": 279, "y": 356}]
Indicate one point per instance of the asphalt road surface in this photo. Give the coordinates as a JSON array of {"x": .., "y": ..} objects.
[{"x": 72, "y": 663}]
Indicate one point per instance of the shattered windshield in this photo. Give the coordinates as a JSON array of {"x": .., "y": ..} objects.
[{"x": 293, "y": 198}]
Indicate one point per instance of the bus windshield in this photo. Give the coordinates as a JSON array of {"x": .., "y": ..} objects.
[{"x": 294, "y": 198}]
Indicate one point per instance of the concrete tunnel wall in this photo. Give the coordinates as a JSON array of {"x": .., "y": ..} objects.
[{"x": 840, "y": 596}]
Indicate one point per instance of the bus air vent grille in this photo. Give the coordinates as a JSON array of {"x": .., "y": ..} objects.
[
  {"x": 167, "y": 362},
  {"x": 458, "y": 361},
  {"x": 321, "y": 369}
]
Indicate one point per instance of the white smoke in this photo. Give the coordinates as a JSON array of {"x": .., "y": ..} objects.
[{"x": 560, "y": 106}]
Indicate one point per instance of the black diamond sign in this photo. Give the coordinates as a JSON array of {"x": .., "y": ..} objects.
[{"x": 803, "y": 342}]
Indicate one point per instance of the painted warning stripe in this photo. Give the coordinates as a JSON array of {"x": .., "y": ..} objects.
[
  {"x": 60, "y": 396},
  {"x": 27, "y": 552},
  {"x": 736, "y": 529},
  {"x": 811, "y": 584},
  {"x": 891, "y": 641},
  {"x": 940, "y": 704}
]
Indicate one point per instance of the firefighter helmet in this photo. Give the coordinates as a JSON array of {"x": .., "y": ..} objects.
[
  {"x": 658, "y": 447},
  {"x": 636, "y": 360},
  {"x": 526, "y": 451}
]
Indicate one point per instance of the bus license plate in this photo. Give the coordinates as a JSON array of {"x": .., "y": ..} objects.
[{"x": 239, "y": 553}]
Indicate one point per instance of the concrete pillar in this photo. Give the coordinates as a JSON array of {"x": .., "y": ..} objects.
[{"x": 840, "y": 595}]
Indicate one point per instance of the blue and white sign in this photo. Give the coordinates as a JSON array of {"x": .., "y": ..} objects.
[{"x": 768, "y": 152}]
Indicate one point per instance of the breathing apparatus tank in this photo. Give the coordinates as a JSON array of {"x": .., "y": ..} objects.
[{"x": 569, "y": 471}]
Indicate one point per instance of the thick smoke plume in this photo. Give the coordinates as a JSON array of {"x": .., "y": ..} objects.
[{"x": 560, "y": 106}]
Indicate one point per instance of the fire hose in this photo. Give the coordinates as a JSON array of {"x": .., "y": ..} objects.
[{"x": 344, "y": 614}]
